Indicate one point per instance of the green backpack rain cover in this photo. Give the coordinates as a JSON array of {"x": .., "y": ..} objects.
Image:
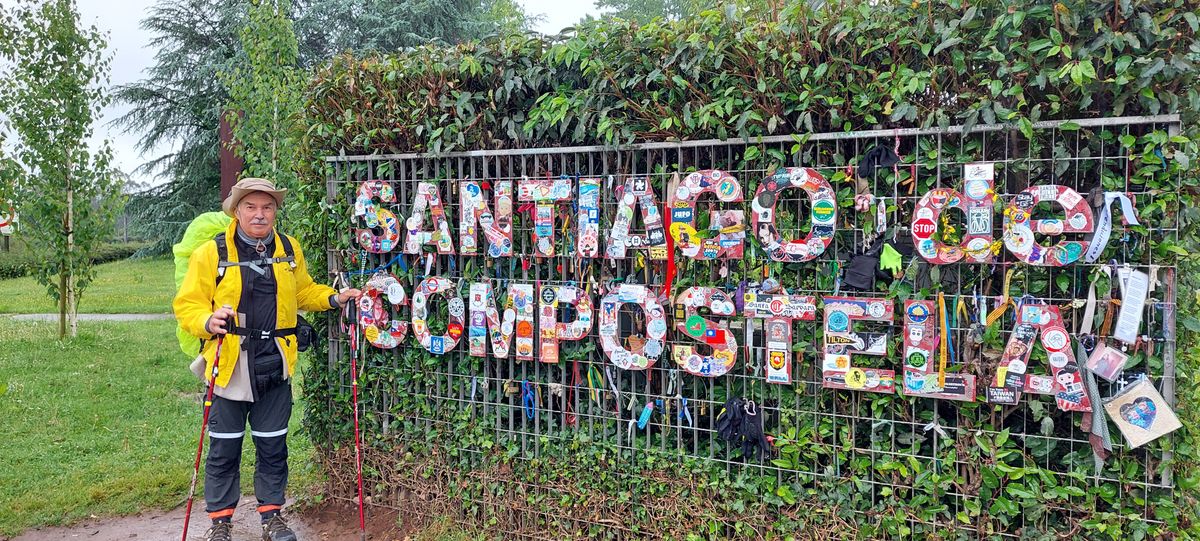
[{"x": 203, "y": 229}]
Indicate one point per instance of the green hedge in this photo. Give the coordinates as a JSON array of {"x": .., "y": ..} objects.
[
  {"x": 745, "y": 72},
  {"x": 730, "y": 73},
  {"x": 21, "y": 259}
]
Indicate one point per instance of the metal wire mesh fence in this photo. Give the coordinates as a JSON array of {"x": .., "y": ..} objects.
[{"x": 883, "y": 445}]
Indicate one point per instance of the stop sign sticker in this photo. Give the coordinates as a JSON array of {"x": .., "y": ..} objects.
[{"x": 923, "y": 228}]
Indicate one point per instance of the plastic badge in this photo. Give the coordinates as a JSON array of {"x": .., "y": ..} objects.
[
  {"x": 1020, "y": 228},
  {"x": 375, "y": 217},
  {"x": 475, "y": 214},
  {"x": 1141, "y": 413},
  {"x": 920, "y": 341},
  {"x": 711, "y": 333},
  {"x": 1107, "y": 362},
  {"x": 728, "y": 236},
  {"x": 824, "y": 214},
  {"x": 977, "y": 208},
  {"x": 636, "y": 193},
  {"x": 427, "y": 198},
  {"x": 373, "y": 315},
  {"x": 437, "y": 285},
  {"x": 841, "y": 341},
  {"x": 1011, "y": 379},
  {"x": 642, "y": 353}
]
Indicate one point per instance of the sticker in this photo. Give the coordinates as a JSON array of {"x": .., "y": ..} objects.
[
  {"x": 856, "y": 378},
  {"x": 923, "y": 228},
  {"x": 837, "y": 322},
  {"x": 977, "y": 189}
]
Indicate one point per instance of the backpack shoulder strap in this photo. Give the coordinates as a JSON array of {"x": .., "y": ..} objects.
[
  {"x": 289, "y": 254},
  {"x": 222, "y": 256}
]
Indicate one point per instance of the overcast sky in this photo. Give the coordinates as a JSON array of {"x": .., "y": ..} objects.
[{"x": 130, "y": 56}]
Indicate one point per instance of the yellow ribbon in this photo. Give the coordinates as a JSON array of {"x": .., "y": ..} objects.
[{"x": 1005, "y": 300}]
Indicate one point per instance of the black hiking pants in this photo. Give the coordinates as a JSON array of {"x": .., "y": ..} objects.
[{"x": 268, "y": 418}]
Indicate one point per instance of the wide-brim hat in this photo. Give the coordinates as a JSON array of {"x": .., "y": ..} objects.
[{"x": 248, "y": 186}]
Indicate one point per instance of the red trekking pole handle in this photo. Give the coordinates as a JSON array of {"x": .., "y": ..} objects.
[{"x": 187, "y": 516}]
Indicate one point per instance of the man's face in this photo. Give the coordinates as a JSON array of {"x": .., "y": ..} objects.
[{"x": 256, "y": 214}]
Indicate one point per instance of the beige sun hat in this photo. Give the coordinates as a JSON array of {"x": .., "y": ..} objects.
[{"x": 248, "y": 186}]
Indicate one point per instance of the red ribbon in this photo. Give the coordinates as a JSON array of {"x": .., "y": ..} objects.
[{"x": 666, "y": 290}]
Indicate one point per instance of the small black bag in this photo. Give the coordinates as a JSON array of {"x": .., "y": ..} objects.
[{"x": 306, "y": 335}]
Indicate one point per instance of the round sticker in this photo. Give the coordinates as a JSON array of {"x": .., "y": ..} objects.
[
  {"x": 371, "y": 333},
  {"x": 549, "y": 295},
  {"x": 917, "y": 360},
  {"x": 823, "y": 211},
  {"x": 455, "y": 306},
  {"x": 524, "y": 329},
  {"x": 876, "y": 309},
  {"x": 856, "y": 378},
  {"x": 977, "y": 189},
  {"x": 1016, "y": 366},
  {"x": 1057, "y": 359},
  {"x": 872, "y": 379},
  {"x": 1055, "y": 339},
  {"x": 695, "y": 326},
  {"x": 838, "y": 321},
  {"x": 727, "y": 188},
  {"x": 1077, "y": 220},
  {"x": 918, "y": 313},
  {"x": 1019, "y": 240},
  {"x": 765, "y": 200}
]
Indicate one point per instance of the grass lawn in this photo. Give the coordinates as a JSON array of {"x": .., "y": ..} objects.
[
  {"x": 132, "y": 286},
  {"x": 105, "y": 423}
]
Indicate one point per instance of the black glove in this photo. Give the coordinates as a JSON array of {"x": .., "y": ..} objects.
[
  {"x": 754, "y": 441},
  {"x": 729, "y": 420}
]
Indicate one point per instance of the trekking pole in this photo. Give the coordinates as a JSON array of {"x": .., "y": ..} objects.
[
  {"x": 187, "y": 515},
  {"x": 362, "y": 516}
]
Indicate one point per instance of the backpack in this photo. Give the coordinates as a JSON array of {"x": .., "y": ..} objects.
[{"x": 209, "y": 227}]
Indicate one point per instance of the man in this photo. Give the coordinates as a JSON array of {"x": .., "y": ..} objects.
[{"x": 248, "y": 285}]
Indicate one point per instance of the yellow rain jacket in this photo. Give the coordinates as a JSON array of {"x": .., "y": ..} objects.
[{"x": 199, "y": 296}]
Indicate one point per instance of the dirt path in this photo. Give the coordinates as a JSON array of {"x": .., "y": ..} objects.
[{"x": 326, "y": 522}]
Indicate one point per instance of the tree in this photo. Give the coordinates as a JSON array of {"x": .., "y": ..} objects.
[
  {"x": 179, "y": 103},
  {"x": 643, "y": 11},
  {"x": 265, "y": 93},
  {"x": 52, "y": 91}
]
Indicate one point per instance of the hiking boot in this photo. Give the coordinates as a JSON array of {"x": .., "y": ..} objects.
[
  {"x": 220, "y": 531},
  {"x": 276, "y": 529}
]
